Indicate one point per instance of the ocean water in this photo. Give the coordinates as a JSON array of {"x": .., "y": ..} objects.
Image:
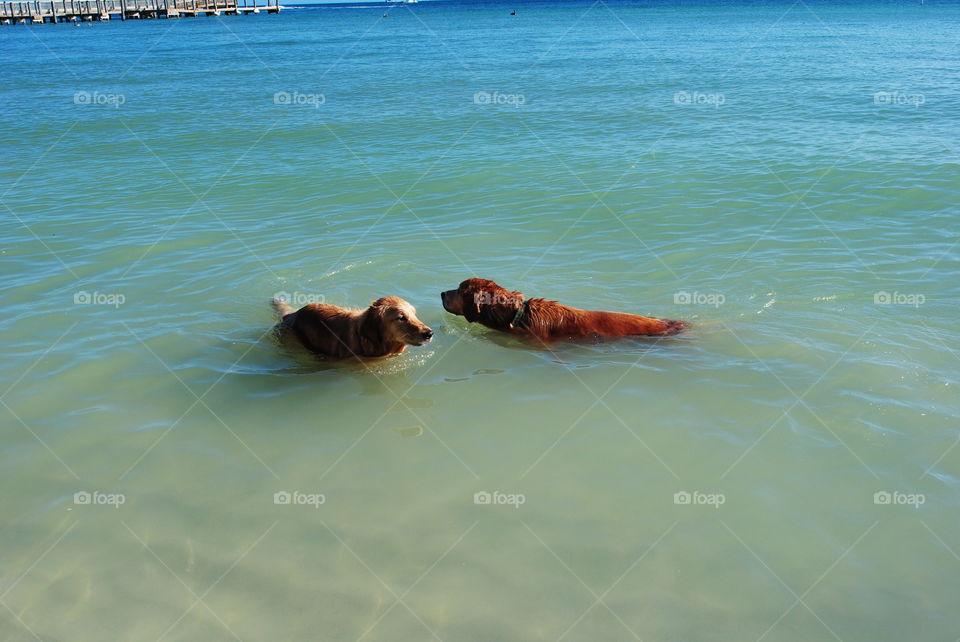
[{"x": 784, "y": 175}]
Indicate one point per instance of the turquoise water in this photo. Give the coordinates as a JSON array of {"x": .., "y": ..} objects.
[{"x": 784, "y": 176}]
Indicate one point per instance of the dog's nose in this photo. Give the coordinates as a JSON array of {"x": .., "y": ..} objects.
[{"x": 427, "y": 334}]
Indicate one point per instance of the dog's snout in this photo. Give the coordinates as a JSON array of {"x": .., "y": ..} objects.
[{"x": 427, "y": 334}]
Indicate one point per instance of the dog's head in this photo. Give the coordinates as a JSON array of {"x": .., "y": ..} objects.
[
  {"x": 398, "y": 321},
  {"x": 483, "y": 301}
]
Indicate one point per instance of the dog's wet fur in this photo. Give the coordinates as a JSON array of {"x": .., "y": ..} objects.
[{"x": 385, "y": 328}]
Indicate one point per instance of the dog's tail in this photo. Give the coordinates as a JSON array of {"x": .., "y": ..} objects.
[
  {"x": 672, "y": 326},
  {"x": 282, "y": 307}
]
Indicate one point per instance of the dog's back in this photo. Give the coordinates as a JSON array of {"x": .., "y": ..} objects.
[{"x": 322, "y": 328}]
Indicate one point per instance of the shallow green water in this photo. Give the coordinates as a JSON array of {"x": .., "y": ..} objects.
[{"x": 733, "y": 165}]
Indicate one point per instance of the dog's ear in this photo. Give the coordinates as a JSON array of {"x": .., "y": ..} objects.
[
  {"x": 371, "y": 325},
  {"x": 471, "y": 299}
]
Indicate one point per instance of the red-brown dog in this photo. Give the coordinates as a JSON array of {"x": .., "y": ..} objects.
[
  {"x": 387, "y": 327},
  {"x": 483, "y": 301}
]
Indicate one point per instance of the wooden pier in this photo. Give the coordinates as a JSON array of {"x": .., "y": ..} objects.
[{"x": 14, "y": 12}]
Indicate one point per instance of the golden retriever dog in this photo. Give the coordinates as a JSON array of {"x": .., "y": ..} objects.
[
  {"x": 483, "y": 301},
  {"x": 387, "y": 327}
]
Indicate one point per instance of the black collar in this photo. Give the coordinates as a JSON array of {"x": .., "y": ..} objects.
[{"x": 519, "y": 314}]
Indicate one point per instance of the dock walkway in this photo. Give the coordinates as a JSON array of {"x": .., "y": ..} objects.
[{"x": 52, "y": 11}]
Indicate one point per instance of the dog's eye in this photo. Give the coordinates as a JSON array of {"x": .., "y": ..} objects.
[{"x": 402, "y": 317}]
